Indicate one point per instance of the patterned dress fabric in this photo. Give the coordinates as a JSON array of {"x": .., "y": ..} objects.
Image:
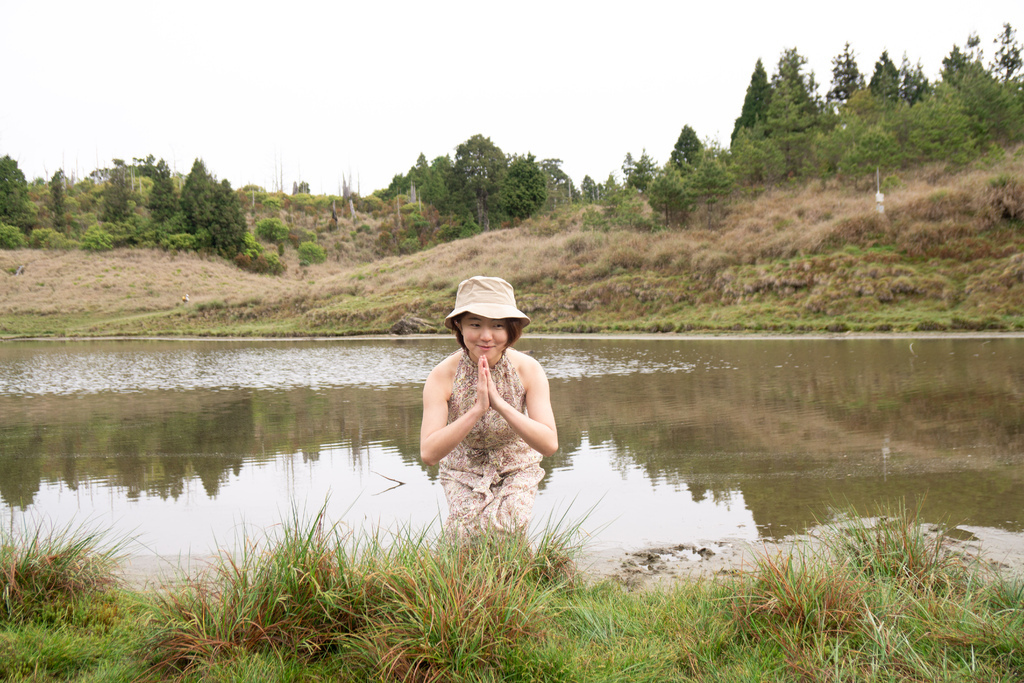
[{"x": 490, "y": 479}]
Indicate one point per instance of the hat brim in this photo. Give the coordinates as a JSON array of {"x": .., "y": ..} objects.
[{"x": 493, "y": 311}]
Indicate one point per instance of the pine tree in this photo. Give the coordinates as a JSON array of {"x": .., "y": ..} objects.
[
  {"x": 794, "y": 111},
  {"x": 639, "y": 173},
  {"x": 525, "y": 188},
  {"x": 212, "y": 211},
  {"x": 710, "y": 183},
  {"x": 163, "y": 203},
  {"x": 687, "y": 150},
  {"x": 477, "y": 174},
  {"x": 591, "y": 191},
  {"x": 959, "y": 64},
  {"x": 58, "y": 206},
  {"x": 755, "y": 102},
  {"x": 668, "y": 193},
  {"x": 885, "y": 81},
  {"x": 914, "y": 85},
  {"x": 116, "y": 194},
  {"x": 846, "y": 77},
  {"x": 1007, "y": 62}
]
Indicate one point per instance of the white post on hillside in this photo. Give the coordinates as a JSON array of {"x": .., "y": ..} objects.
[{"x": 879, "y": 197}]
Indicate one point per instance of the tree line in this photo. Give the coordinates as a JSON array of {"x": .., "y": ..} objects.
[
  {"x": 885, "y": 121},
  {"x": 890, "y": 119}
]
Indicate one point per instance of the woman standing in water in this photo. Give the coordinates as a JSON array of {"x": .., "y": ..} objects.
[{"x": 487, "y": 415}]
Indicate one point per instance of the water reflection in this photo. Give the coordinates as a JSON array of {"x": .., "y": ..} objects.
[{"x": 664, "y": 440}]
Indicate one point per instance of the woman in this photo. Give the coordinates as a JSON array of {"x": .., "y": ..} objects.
[{"x": 487, "y": 415}]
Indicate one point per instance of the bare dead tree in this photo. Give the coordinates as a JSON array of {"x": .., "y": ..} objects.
[{"x": 346, "y": 183}]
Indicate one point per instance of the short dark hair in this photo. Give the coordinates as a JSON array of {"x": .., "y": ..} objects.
[{"x": 514, "y": 325}]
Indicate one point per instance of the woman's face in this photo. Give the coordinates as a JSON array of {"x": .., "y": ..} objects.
[{"x": 484, "y": 337}]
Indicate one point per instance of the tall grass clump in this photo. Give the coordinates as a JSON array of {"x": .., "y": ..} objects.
[
  {"x": 47, "y": 573},
  {"x": 893, "y": 545},
  {"x": 882, "y": 598},
  {"x": 297, "y": 594},
  {"x": 457, "y": 608},
  {"x": 396, "y": 606},
  {"x": 804, "y": 592}
]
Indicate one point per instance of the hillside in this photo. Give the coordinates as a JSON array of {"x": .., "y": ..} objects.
[{"x": 946, "y": 254}]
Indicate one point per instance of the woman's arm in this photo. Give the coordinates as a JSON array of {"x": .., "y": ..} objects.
[
  {"x": 437, "y": 437},
  {"x": 537, "y": 428}
]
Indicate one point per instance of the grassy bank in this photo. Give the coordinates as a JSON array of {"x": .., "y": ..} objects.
[
  {"x": 946, "y": 254},
  {"x": 876, "y": 600}
]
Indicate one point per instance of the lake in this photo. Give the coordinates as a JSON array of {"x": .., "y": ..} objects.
[{"x": 188, "y": 445}]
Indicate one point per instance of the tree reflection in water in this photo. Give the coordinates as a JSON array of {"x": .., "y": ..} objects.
[{"x": 779, "y": 429}]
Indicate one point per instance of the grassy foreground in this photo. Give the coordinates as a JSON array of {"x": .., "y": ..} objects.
[
  {"x": 947, "y": 254},
  {"x": 877, "y": 600}
]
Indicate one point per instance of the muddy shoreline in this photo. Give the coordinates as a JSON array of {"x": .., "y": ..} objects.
[
  {"x": 657, "y": 566},
  {"x": 662, "y": 565}
]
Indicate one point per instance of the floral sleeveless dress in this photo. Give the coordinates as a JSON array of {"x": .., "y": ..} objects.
[{"x": 490, "y": 479}]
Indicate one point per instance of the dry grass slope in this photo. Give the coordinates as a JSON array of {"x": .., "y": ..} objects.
[{"x": 945, "y": 255}]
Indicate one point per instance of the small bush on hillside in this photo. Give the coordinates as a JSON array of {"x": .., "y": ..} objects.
[
  {"x": 310, "y": 252},
  {"x": 264, "y": 264},
  {"x": 11, "y": 237},
  {"x": 179, "y": 241},
  {"x": 254, "y": 258},
  {"x": 272, "y": 230},
  {"x": 372, "y": 204},
  {"x": 48, "y": 238},
  {"x": 1006, "y": 194},
  {"x": 123, "y": 233},
  {"x": 97, "y": 239}
]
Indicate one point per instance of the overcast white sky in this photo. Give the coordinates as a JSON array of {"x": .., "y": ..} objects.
[{"x": 321, "y": 89}]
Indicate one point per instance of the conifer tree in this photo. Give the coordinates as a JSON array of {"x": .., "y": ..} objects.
[
  {"x": 710, "y": 183},
  {"x": 163, "y": 203},
  {"x": 639, "y": 174},
  {"x": 212, "y": 211},
  {"x": 885, "y": 81},
  {"x": 116, "y": 194},
  {"x": 57, "y": 204},
  {"x": 687, "y": 150},
  {"x": 525, "y": 188},
  {"x": 755, "y": 102},
  {"x": 846, "y": 77},
  {"x": 668, "y": 193},
  {"x": 1007, "y": 63},
  {"x": 591, "y": 190},
  {"x": 959, "y": 64},
  {"x": 914, "y": 86},
  {"x": 794, "y": 110},
  {"x": 477, "y": 174}
]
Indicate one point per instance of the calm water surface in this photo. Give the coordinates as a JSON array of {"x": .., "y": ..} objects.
[{"x": 189, "y": 444}]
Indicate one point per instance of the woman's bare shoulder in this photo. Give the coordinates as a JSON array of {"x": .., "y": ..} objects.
[
  {"x": 446, "y": 369},
  {"x": 525, "y": 364}
]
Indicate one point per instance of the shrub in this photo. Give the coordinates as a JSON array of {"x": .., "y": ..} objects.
[
  {"x": 272, "y": 230},
  {"x": 372, "y": 204},
  {"x": 266, "y": 263},
  {"x": 11, "y": 237},
  {"x": 1006, "y": 195},
  {"x": 311, "y": 253},
  {"x": 449, "y": 232},
  {"x": 97, "y": 239},
  {"x": 48, "y": 238},
  {"x": 179, "y": 241},
  {"x": 253, "y": 257}
]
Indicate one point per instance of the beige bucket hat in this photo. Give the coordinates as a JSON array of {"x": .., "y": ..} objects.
[{"x": 490, "y": 297}]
